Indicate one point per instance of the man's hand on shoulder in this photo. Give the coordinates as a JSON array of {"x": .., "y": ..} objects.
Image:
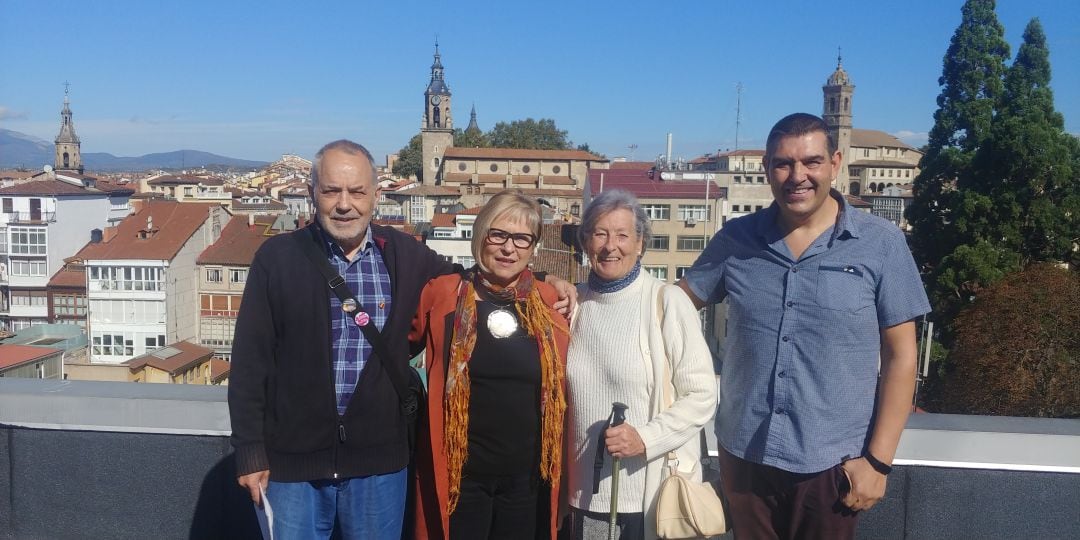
[
  {"x": 867, "y": 485},
  {"x": 255, "y": 483},
  {"x": 567, "y": 295}
]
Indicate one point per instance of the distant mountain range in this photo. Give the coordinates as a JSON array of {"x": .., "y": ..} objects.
[{"x": 22, "y": 150}]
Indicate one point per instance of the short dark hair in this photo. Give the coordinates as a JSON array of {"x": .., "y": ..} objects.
[
  {"x": 348, "y": 147},
  {"x": 794, "y": 125}
]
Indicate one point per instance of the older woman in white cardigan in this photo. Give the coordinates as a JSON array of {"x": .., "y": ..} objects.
[{"x": 631, "y": 336}]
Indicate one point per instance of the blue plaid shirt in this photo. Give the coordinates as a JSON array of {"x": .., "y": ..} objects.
[
  {"x": 799, "y": 378},
  {"x": 369, "y": 280}
]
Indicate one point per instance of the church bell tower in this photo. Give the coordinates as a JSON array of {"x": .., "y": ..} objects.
[
  {"x": 836, "y": 111},
  {"x": 437, "y": 129},
  {"x": 68, "y": 153}
]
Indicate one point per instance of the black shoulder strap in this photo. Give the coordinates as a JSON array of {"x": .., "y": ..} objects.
[{"x": 317, "y": 256}]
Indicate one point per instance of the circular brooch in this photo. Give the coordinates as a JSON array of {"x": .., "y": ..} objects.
[{"x": 501, "y": 323}]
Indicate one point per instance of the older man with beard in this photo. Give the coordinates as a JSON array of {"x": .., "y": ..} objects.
[{"x": 317, "y": 422}]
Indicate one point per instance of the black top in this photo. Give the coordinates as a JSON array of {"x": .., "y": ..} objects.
[{"x": 504, "y": 401}]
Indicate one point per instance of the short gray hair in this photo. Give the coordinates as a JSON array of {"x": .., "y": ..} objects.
[
  {"x": 609, "y": 201},
  {"x": 348, "y": 147}
]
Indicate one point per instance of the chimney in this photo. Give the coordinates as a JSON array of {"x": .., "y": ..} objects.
[
  {"x": 669, "y": 149},
  {"x": 251, "y": 221},
  {"x": 95, "y": 236},
  {"x": 108, "y": 234}
]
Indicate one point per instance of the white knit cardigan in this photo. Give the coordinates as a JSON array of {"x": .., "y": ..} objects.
[{"x": 676, "y": 337}]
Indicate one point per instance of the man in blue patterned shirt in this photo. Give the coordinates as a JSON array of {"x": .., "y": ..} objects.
[{"x": 818, "y": 294}]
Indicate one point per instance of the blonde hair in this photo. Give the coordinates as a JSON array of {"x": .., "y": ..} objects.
[{"x": 511, "y": 203}]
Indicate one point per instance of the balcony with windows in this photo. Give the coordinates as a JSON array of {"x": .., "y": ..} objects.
[
  {"x": 28, "y": 218},
  {"x": 126, "y": 460}
]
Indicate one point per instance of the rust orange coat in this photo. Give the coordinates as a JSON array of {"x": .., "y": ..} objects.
[{"x": 433, "y": 328}]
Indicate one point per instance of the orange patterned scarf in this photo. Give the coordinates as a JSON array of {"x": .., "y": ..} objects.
[{"x": 537, "y": 322}]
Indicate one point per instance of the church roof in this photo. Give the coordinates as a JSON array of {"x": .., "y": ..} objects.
[
  {"x": 839, "y": 77},
  {"x": 874, "y": 138},
  {"x": 520, "y": 154}
]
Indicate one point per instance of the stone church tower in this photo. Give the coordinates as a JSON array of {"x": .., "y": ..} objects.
[
  {"x": 838, "y": 92},
  {"x": 437, "y": 130},
  {"x": 68, "y": 154}
]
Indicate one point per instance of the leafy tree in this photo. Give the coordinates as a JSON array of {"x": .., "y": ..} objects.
[
  {"x": 971, "y": 88},
  {"x": 410, "y": 159},
  {"x": 1017, "y": 349},
  {"x": 584, "y": 147},
  {"x": 540, "y": 134},
  {"x": 470, "y": 138},
  {"x": 1026, "y": 170}
]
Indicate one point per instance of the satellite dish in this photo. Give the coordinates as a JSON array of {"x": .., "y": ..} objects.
[{"x": 47, "y": 168}]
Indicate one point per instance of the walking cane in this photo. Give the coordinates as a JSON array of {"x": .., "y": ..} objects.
[{"x": 618, "y": 416}]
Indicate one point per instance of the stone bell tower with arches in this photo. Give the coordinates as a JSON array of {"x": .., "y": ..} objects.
[
  {"x": 68, "y": 147},
  {"x": 836, "y": 111}
]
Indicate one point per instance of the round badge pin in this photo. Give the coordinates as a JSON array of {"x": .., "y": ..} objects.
[
  {"x": 349, "y": 305},
  {"x": 362, "y": 319}
]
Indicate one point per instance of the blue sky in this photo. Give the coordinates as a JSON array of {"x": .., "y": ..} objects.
[{"x": 255, "y": 79}]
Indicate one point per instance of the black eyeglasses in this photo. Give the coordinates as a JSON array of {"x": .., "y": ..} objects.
[{"x": 499, "y": 237}]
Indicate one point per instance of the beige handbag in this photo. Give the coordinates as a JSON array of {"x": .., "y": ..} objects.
[{"x": 685, "y": 508}]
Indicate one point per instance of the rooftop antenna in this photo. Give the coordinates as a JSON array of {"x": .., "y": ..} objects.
[
  {"x": 632, "y": 147},
  {"x": 738, "y": 120}
]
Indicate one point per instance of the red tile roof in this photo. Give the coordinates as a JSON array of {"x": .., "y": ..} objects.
[
  {"x": 71, "y": 276},
  {"x": 520, "y": 154},
  {"x": 175, "y": 358},
  {"x": 238, "y": 242},
  {"x": 174, "y": 223},
  {"x": 219, "y": 370},
  {"x": 54, "y": 187},
  {"x": 637, "y": 182},
  {"x": 14, "y": 355},
  {"x": 643, "y": 165},
  {"x": 442, "y": 220},
  {"x": 873, "y": 137}
]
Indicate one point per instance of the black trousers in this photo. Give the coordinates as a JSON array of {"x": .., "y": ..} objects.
[{"x": 497, "y": 507}]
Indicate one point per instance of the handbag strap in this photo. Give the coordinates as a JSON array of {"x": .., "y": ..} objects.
[
  {"x": 669, "y": 381},
  {"x": 313, "y": 251}
]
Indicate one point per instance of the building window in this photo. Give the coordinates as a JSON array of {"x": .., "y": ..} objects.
[
  {"x": 575, "y": 209},
  {"x": 70, "y": 305},
  {"x": 659, "y": 243},
  {"x": 466, "y": 233},
  {"x": 8, "y": 205},
  {"x": 761, "y": 179},
  {"x": 657, "y": 212},
  {"x": 417, "y": 208},
  {"x": 680, "y": 272},
  {"x": 758, "y": 207},
  {"x": 658, "y": 272},
  {"x": 525, "y": 169},
  {"x": 466, "y": 261},
  {"x": 494, "y": 167},
  {"x": 28, "y": 241},
  {"x": 907, "y": 174},
  {"x": 691, "y": 243},
  {"x": 238, "y": 275},
  {"x": 461, "y": 166},
  {"x": 28, "y": 268},
  {"x": 219, "y": 305},
  {"x": 738, "y": 179},
  {"x": 697, "y": 212},
  {"x": 213, "y": 275},
  {"x": 556, "y": 169}
]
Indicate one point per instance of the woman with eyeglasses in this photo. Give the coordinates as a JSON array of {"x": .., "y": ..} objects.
[{"x": 488, "y": 463}]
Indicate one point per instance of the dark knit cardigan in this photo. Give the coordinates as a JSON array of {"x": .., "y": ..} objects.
[{"x": 281, "y": 386}]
